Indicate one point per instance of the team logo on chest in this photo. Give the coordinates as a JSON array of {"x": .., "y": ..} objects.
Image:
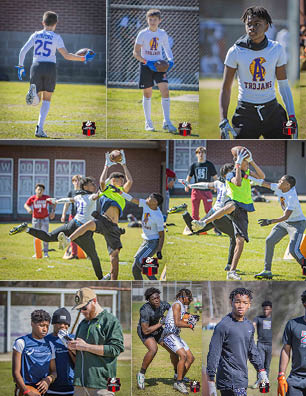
[
  {"x": 257, "y": 70},
  {"x": 303, "y": 337},
  {"x": 146, "y": 218},
  {"x": 154, "y": 43}
]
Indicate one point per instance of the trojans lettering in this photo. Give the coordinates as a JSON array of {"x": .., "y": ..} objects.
[{"x": 258, "y": 85}]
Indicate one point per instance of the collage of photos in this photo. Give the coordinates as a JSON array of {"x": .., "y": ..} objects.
[{"x": 153, "y": 198}]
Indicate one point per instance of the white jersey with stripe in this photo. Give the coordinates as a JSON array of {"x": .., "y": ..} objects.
[
  {"x": 289, "y": 200},
  {"x": 170, "y": 327},
  {"x": 256, "y": 70},
  {"x": 152, "y": 44},
  {"x": 45, "y": 43},
  {"x": 221, "y": 194},
  {"x": 85, "y": 206}
]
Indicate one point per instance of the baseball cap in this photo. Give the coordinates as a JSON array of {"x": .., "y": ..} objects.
[
  {"x": 83, "y": 296},
  {"x": 61, "y": 315}
]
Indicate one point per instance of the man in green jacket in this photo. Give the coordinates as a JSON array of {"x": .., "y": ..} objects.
[{"x": 99, "y": 340}]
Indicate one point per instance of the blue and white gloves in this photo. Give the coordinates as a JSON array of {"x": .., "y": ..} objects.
[
  {"x": 89, "y": 56},
  {"x": 21, "y": 71},
  {"x": 241, "y": 155},
  {"x": 109, "y": 162},
  {"x": 212, "y": 390},
  {"x": 226, "y": 129}
]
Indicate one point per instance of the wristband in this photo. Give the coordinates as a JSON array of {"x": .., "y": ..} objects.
[
  {"x": 281, "y": 373},
  {"x": 26, "y": 391}
]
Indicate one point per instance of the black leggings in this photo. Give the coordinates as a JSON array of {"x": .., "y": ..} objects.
[{"x": 86, "y": 242}]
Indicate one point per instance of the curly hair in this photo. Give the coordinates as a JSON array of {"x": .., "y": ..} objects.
[
  {"x": 242, "y": 292},
  {"x": 150, "y": 291},
  {"x": 266, "y": 303},
  {"x": 39, "y": 315},
  {"x": 184, "y": 293},
  {"x": 259, "y": 12}
]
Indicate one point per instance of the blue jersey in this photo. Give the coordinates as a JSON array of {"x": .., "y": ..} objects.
[
  {"x": 35, "y": 359},
  {"x": 64, "y": 368}
]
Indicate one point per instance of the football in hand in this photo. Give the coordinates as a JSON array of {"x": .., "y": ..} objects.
[
  {"x": 234, "y": 150},
  {"x": 161, "y": 65},
  {"x": 115, "y": 156},
  {"x": 83, "y": 51},
  {"x": 32, "y": 389}
]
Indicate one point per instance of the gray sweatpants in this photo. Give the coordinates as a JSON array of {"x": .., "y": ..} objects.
[
  {"x": 295, "y": 230},
  {"x": 146, "y": 249},
  {"x": 41, "y": 224}
]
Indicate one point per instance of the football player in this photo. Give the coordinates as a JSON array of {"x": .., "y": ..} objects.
[
  {"x": 258, "y": 62},
  {"x": 43, "y": 69},
  {"x": 149, "y": 45}
]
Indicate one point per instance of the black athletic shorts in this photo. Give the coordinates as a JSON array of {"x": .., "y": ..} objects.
[
  {"x": 43, "y": 75},
  {"x": 156, "y": 334},
  {"x": 148, "y": 76},
  {"x": 251, "y": 120},
  {"x": 240, "y": 221},
  {"x": 111, "y": 232}
]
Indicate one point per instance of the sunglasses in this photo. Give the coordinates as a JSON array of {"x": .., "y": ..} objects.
[{"x": 85, "y": 306}]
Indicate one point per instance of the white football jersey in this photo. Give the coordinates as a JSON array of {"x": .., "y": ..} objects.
[
  {"x": 152, "y": 44},
  {"x": 256, "y": 70},
  {"x": 289, "y": 200},
  {"x": 85, "y": 206},
  {"x": 170, "y": 327},
  {"x": 152, "y": 221},
  {"x": 45, "y": 43}
]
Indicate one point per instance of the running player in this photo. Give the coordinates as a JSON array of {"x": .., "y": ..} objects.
[
  {"x": 148, "y": 49},
  {"x": 263, "y": 324},
  {"x": 258, "y": 62},
  {"x": 293, "y": 344},
  {"x": 149, "y": 330},
  {"x": 34, "y": 357},
  {"x": 223, "y": 224},
  {"x": 112, "y": 206},
  {"x": 86, "y": 203},
  {"x": 231, "y": 345},
  {"x": 175, "y": 321},
  {"x": 43, "y": 69},
  {"x": 292, "y": 222}
]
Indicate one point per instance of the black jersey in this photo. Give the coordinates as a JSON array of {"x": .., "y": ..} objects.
[
  {"x": 264, "y": 329},
  {"x": 202, "y": 171},
  {"x": 150, "y": 315}
]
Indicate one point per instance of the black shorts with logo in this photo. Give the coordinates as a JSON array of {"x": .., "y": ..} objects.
[
  {"x": 111, "y": 232},
  {"x": 43, "y": 75},
  {"x": 148, "y": 76},
  {"x": 252, "y": 120}
]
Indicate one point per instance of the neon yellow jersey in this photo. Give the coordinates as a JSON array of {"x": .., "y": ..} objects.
[
  {"x": 108, "y": 195},
  {"x": 240, "y": 194}
]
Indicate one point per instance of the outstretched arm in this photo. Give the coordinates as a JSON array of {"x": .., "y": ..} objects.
[
  {"x": 129, "y": 180},
  {"x": 69, "y": 56}
]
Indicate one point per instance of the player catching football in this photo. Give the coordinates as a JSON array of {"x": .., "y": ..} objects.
[
  {"x": 149, "y": 44},
  {"x": 258, "y": 62},
  {"x": 43, "y": 69}
]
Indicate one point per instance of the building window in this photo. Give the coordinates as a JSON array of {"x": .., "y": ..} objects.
[
  {"x": 184, "y": 156},
  {"x": 63, "y": 172},
  {"x": 31, "y": 172},
  {"x": 6, "y": 185}
]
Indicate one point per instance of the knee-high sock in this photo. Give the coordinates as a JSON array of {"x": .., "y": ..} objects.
[
  {"x": 146, "y": 102},
  {"x": 44, "y": 109},
  {"x": 166, "y": 108}
]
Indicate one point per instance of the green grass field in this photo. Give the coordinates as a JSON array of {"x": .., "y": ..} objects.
[
  {"x": 71, "y": 104},
  {"x": 126, "y": 119},
  {"x": 203, "y": 257},
  {"x": 209, "y": 107},
  {"x": 159, "y": 375},
  {"x": 17, "y": 262},
  {"x": 207, "y": 334},
  {"x": 124, "y": 373},
  {"x": 303, "y": 106}
]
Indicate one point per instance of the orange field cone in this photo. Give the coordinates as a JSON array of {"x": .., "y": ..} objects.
[
  {"x": 81, "y": 253},
  {"x": 38, "y": 249}
]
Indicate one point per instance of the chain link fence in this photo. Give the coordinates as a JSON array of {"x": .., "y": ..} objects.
[{"x": 180, "y": 19}]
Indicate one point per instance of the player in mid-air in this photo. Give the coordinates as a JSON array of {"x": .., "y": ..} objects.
[
  {"x": 258, "y": 63},
  {"x": 292, "y": 222},
  {"x": 293, "y": 344},
  {"x": 148, "y": 49},
  {"x": 43, "y": 69},
  {"x": 231, "y": 346}
]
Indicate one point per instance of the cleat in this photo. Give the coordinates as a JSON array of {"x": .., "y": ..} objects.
[
  {"x": 107, "y": 277},
  {"x": 169, "y": 126},
  {"x": 233, "y": 275},
  {"x": 149, "y": 126},
  {"x": 198, "y": 224},
  {"x": 63, "y": 241},
  {"x": 40, "y": 133},
  {"x": 32, "y": 97},
  {"x": 140, "y": 380},
  {"x": 185, "y": 379},
  {"x": 227, "y": 267},
  {"x": 15, "y": 230},
  {"x": 264, "y": 274},
  {"x": 180, "y": 387}
]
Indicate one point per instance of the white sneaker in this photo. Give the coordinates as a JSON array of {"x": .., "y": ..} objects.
[
  {"x": 169, "y": 126},
  {"x": 34, "y": 255},
  {"x": 185, "y": 379},
  {"x": 107, "y": 277},
  {"x": 140, "y": 380},
  {"x": 233, "y": 275},
  {"x": 197, "y": 225},
  {"x": 32, "y": 97},
  {"x": 149, "y": 126},
  {"x": 181, "y": 387},
  {"x": 63, "y": 241},
  {"x": 40, "y": 133}
]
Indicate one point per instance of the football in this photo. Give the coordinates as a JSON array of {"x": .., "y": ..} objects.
[
  {"x": 235, "y": 149},
  {"x": 83, "y": 51},
  {"x": 161, "y": 65},
  {"x": 115, "y": 156},
  {"x": 32, "y": 389}
]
